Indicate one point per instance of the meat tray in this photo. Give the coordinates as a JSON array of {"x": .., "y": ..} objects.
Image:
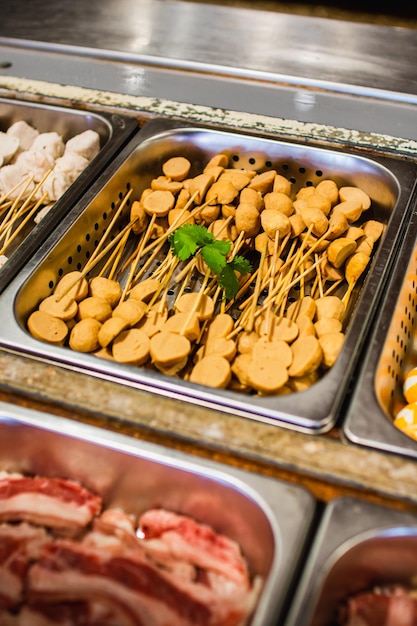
[
  {"x": 358, "y": 546},
  {"x": 391, "y": 354},
  {"x": 269, "y": 518},
  {"x": 114, "y": 130},
  {"x": 388, "y": 181}
]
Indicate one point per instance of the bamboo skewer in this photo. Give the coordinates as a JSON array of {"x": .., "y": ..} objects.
[{"x": 13, "y": 236}]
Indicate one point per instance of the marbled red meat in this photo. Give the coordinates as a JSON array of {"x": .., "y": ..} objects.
[
  {"x": 171, "y": 570},
  {"x": 53, "y": 502},
  {"x": 396, "y": 606},
  {"x": 20, "y": 545},
  {"x": 196, "y": 543},
  {"x": 116, "y": 570}
]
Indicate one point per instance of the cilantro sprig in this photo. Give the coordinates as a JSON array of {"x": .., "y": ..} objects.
[{"x": 192, "y": 240}]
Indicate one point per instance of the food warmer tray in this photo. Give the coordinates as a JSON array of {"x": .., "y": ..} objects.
[
  {"x": 114, "y": 131},
  {"x": 270, "y": 519},
  {"x": 388, "y": 181},
  {"x": 391, "y": 354},
  {"x": 358, "y": 546}
]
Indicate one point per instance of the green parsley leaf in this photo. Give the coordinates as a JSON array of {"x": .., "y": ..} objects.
[
  {"x": 228, "y": 279},
  {"x": 193, "y": 239},
  {"x": 186, "y": 240},
  {"x": 215, "y": 254}
]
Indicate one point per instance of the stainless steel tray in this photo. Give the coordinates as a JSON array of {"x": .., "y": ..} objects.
[
  {"x": 114, "y": 131},
  {"x": 391, "y": 353},
  {"x": 358, "y": 546},
  {"x": 388, "y": 181},
  {"x": 269, "y": 518}
]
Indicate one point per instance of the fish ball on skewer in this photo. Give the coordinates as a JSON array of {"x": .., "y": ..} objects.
[
  {"x": 187, "y": 324},
  {"x": 84, "y": 335},
  {"x": 273, "y": 221},
  {"x": 279, "y": 202},
  {"x": 355, "y": 194},
  {"x": 94, "y": 307},
  {"x": 131, "y": 346},
  {"x": 110, "y": 329},
  {"x": 138, "y": 213},
  {"x": 50, "y": 143},
  {"x": 329, "y": 306},
  {"x": 130, "y": 310},
  {"x": 282, "y": 184},
  {"x": 307, "y": 356},
  {"x": 74, "y": 285},
  {"x": 252, "y": 196},
  {"x": 319, "y": 201},
  {"x": 24, "y": 132},
  {"x": 199, "y": 303},
  {"x": 176, "y": 168},
  {"x": 159, "y": 203},
  {"x": 168, "y": 348},
  {"x": 212, "y": 371},
  {"x": 263, "y": 182},
  {"x": 44, "y": 326},
  {"x": 86, "y": 144},
  {"x": 331, "y": 344},
  {"x": 106, "y": 289},
  {"x": 64, "y": 308},
  {"x": 145, "y": 289},
  {"x": 339, "y": 250},
  {"x": 329, "y": 189},
  {"x": 247, "y": 220}
]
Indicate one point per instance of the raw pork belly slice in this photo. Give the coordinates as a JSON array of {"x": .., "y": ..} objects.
[
  {"x": 53, "y": 502},
  {"x": 197, "y": 543},
  {"x": 383, "y": 607},
  {"x": 111, "y": 568},
  {"x": 20, "y": 545},
  {"x": 131, "y": 588}
]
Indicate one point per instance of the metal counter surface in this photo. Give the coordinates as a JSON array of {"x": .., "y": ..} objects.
[{"x": 326, "y": 71}]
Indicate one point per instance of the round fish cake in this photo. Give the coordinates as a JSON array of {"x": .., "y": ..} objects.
[{"x": 410, "y": 385}]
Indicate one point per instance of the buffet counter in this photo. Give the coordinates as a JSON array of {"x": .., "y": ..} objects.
[
  {"x": 267, "y": 74},
  {"x": 301, "y": 479}
]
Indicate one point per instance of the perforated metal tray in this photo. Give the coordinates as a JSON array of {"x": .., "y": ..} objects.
[
  {"x": 391, "y": 353},
  {"x": 269, "y": 519},
  {"x": 358, "y": 545},
  {"x": 114, "y": 131},
  {"x": 388, "y": 181}
]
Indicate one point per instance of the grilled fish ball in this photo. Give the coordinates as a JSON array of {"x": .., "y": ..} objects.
[
  {"x": 130, "y": 310},
  {"x": 74, "y": 285},
  {"x": 65, "y": 307},
  {"x": 138, "y": 213},
  {"x": 159, "y": 203},
  {"x": 84, "y": 335},
  {"x": 106, "y": 289},
  {"x": 176, "y": 168},
  {"x": 247, "y": 220},
  {"x": 212, "y": 371},
  {"x": 94, "y": 307},
  {"x": 199, "y": 303},
  {"x": 110, "y": 329},
  {"x": 131, "y": 347},
  {"x": 167, "y": 348},
  {"x": 46, "y": 327}
]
